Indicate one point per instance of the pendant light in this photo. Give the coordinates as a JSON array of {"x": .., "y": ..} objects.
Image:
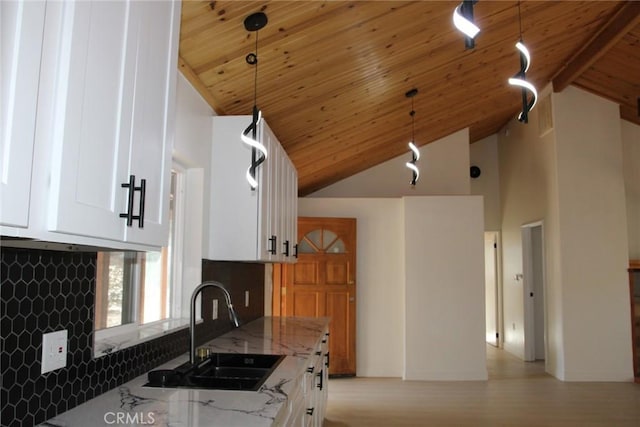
[
  {"x": 520, "y": 78},
  {"x": 415, "y": 152},
  {"x": 463, "y": 21},
  {"x": 254, "y": 22}
]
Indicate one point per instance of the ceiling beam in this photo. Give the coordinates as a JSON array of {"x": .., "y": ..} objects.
[
  {"x": 627, "y": 16},
  {"x": 202, "y": 89}
]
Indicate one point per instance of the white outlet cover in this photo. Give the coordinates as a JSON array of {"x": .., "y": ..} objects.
[{"x": 54, "y": 351}]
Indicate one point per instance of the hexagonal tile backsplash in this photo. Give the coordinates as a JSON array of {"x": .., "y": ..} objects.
[{"x": 45, "y": 291}]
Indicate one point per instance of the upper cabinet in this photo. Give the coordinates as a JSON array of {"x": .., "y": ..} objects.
[
  {"x": 21, "y": 30},
  {"x": 250, "y": 224},
  {"x": 105, "y": 121}
]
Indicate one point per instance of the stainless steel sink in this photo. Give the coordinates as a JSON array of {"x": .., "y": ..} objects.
[{"x": 218, "y": 371}]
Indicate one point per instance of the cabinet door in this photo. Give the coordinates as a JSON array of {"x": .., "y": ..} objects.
[
  {"x": 113, "y": 104},
  {"x": 154, "y": 43},
  {"x": 91, "y": 126},
  {"x": 22, "y": 30},
  {"x": 233, "y": 206},
  {"x": 268, "y": 239}
]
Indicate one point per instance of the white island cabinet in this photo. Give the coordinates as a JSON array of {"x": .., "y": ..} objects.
[
  {"x": 105, "y": 110},
  {"x": 246, "y": 224}
]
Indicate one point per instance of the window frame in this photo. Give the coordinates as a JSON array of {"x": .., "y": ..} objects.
[{"x": 115, "y": 338}]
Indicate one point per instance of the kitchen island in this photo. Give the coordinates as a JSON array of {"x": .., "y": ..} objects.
[{"x": 294, "y": 393}]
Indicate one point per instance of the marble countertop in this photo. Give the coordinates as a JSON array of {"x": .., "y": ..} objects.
[{"x": 134, "y": 404}]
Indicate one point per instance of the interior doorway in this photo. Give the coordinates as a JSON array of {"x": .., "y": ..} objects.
[{"x": 534, "y": 291}]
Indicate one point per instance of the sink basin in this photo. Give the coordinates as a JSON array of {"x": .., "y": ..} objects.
[{"x": 219, "y": 371}]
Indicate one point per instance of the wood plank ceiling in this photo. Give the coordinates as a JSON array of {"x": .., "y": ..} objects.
[{"x": 333, "y": 75}]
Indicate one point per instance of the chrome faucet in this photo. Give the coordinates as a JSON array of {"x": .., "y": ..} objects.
[{"x": 233, "y": 316}]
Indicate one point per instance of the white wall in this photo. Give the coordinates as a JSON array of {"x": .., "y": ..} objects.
[
  {"x": 630, "y": 133},
  {"x": 444, "y": 169},
  {"x": 528, "y": 194},
  {"x": 484, "y": 154},
  {"x": 379, "y": 279},
  {"x": 444, "y": 295},
  {"x": 571, "y": 178},
  {"x": 191, "y": 150},
  {"x": 593, "y": 236}
]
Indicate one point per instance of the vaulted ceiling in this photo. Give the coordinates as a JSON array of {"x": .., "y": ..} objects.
[{"x": 332, "y": 75}]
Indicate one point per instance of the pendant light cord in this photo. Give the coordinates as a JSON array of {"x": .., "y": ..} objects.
[
  {"x": 413, "y": 113},
  {"x": 520, "y": 20},
  {"x": 255, "y": 79}
]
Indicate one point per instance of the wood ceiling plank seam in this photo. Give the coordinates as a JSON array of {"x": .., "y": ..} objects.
[
  {"x": 426, "y": 102},
  {"x": 422, "y": 130},
  {"x": 625, "y": 18},
  {"x": 595, "y": 86},
  {"x": 424, "y": 121},
  {"x": 265, "y": 42},
  {"x": 313, "y": 158}
]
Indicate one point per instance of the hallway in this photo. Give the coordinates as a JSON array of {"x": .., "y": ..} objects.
[{"x": 517, "y": 394}]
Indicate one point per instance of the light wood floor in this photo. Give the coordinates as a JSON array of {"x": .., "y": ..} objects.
[{"x": 517, "y": 394}]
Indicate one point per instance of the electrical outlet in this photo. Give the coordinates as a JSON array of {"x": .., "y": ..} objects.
[
  {"x": 54, "y": 351},
  {"x": 214, "y": 310},
  {"x": 246, "y": 298}
]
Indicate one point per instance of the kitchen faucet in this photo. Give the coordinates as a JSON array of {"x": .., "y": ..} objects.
[{"x": 233, "y": 316}]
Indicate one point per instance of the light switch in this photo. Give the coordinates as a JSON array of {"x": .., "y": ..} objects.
[{"x": 54, "y": 351}]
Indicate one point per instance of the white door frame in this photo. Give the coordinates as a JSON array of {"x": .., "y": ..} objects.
[
  {"x": 528, "y": 292},
  {"x": 493, "y": 291}
]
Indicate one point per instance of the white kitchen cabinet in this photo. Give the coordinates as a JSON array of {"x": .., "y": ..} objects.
[
  {"x": 113, "y": 114},
  {"x": 105, "y": 107},
  {"x": 247, "y": 224},
  {"x": 22, "y": 31}
]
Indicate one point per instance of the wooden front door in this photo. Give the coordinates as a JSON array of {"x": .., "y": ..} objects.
[{"x": 323, "y": 283}]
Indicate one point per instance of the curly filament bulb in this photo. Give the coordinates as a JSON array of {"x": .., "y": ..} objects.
[
  {"x": 463, "y": 24},
  {"x": 515, "y": 81},
  {"x": 415, "y": 170},
  {"x": 254, "y": 144},
  {"x": 523, "y": 49},
  {"x": 414, "y": 149}
]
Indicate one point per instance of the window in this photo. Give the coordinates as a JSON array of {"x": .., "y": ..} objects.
[{"x": 135, "y": 288}]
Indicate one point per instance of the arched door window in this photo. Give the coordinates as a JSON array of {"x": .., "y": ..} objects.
[{"x": 321, "y": 241}]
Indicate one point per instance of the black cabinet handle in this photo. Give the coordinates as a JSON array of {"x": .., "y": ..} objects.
[
  {"x": 272, "y": 245},
  {"x": 327, "y": 362},
  {"x": 321, "y": 377},
  {"x": 295, "y": 250},
  {"x": 131, "y": 185},
  {"x": 286, "y": 248},
  {"x": 310, "y": 369},
  {"x": 309, "y": 411},
  {"x": 130, "y": 196},
  {"x": 143, "y": 193}
]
